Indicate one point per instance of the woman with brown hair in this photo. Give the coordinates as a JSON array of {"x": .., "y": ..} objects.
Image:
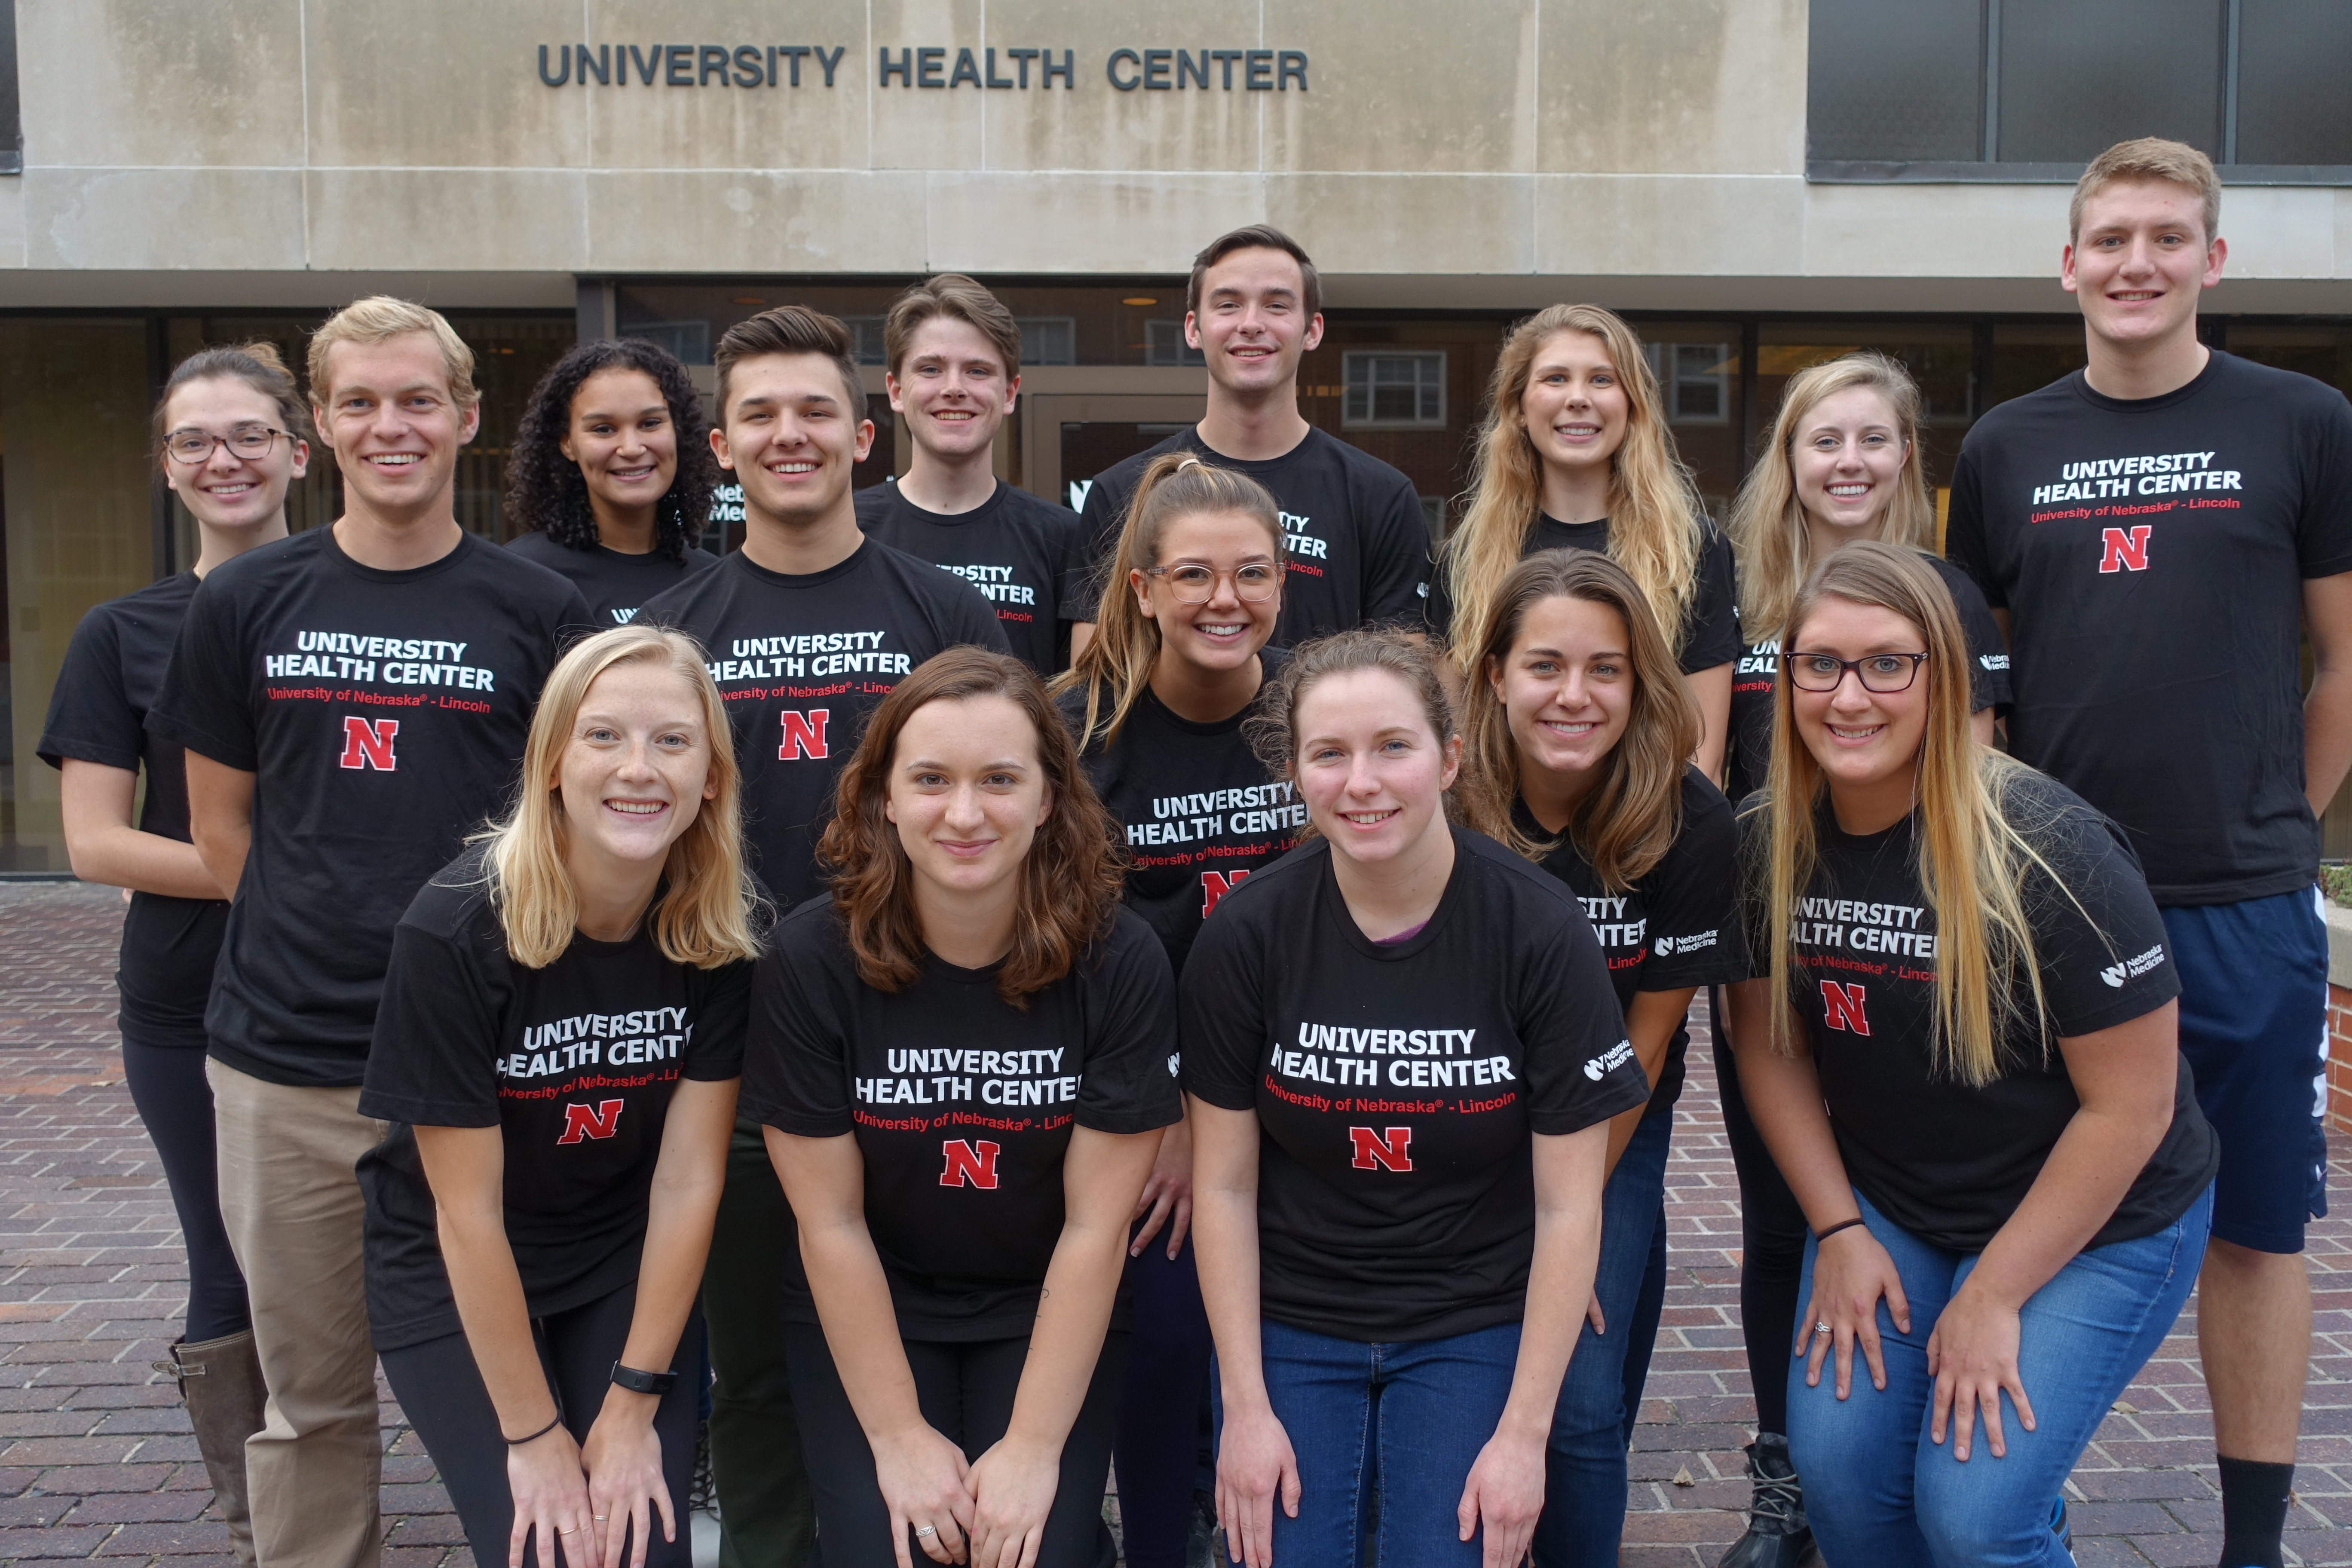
[
  {"x": 558, "y": 1047},
  {"x": 963, "y": 1059},
  {"x": 1575, "y": 453},
  {"x": 1578, "y": 732}
]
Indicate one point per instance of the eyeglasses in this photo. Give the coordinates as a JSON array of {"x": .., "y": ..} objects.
[
  {"x": 248, "y": 441},
  {"x": 1254, "y": 583},
  {"x": 1884, "y": 673}
]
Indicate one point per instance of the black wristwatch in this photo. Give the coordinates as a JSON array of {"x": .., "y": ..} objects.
[{"x": 638, "y": 1381}]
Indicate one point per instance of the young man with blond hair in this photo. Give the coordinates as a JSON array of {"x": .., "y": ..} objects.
[
  {"x": 353, "y": 701},
  {"x": 2152, "y": 529},
  {"x": 954, "y": 352}
]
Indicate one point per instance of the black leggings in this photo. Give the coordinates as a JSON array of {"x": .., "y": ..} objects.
[
  {"x": 440, "y": 1389},
  {"x": 1772, "y": 1243},
  {"x": 168, "y": 1089},
  {"x": 966, "y": 1392}
]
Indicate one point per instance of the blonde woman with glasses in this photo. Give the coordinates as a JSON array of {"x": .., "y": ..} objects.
[{"x": 558, "y": 1050}]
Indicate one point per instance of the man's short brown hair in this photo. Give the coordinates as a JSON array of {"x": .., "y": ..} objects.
[
  {"x": 380, "y": 318},
  {"x": 2150, "y": 158},
  {"x": 789, "y": 329},
  {"x": 1255, "y": 237},
  {"x": 958, "y": 298}
]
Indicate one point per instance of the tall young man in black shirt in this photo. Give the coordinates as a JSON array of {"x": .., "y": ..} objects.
[
  {"x": 2151, "y": 529},
  {"x": 354, "y": 701},
  {"x": 807, "y": 628},
  {"x": 1353, "y": 528},
  {"x": 955, "y": 371}
]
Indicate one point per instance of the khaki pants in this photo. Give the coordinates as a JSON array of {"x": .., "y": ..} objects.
[{"x": 293, "y": 1207}]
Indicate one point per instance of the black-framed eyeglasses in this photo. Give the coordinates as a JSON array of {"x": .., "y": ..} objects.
[
  {"x": 1884, "y": 673},
  {"x": 1254, "y": 582},
  {"x": 250, "y": 442}
]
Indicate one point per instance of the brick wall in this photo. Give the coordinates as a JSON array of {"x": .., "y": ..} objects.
[{"x": 2339, "y": 1058}]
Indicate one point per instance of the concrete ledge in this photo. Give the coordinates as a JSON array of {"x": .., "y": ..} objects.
[{"x": 2339, "y": 943}]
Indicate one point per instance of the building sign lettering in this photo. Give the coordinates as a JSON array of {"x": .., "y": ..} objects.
[{"x": 911, "y": 66}]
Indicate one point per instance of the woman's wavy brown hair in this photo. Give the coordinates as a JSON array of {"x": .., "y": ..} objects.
[
  {"x": 1624, "y": 825},
  {"x": 1069, "y": 884}
]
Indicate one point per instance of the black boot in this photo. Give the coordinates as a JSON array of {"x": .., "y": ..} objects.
[
  {"x": 1778, "y": 1535},
  {"x": 220, "y": 1380}
]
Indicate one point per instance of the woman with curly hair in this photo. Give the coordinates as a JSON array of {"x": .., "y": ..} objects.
[
  {"x": 611, "y": 474},
  {"x": 963, "y": 1060}
]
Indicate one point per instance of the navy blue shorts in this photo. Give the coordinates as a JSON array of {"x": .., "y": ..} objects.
[{"x": 2253, "y": 1025}]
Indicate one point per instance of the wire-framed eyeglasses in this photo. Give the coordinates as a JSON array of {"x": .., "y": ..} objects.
[
  {"x": 251, "y": 442},
  {"x": 1254, "y": 582}
]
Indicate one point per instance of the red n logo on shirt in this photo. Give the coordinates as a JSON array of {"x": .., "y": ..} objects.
[
  {"x": 1215, "y": 885},
  {"x": 2126, "y": 550},
  {"x": 1842, "y": 1007},
  {"x": 1386, "y": 1151},
  {"x": 582, "y": 1121},
  {"x": 369, "y": 744},
  {"x": 804, "y": 734},
  {"x": 970, "y": 1164}
]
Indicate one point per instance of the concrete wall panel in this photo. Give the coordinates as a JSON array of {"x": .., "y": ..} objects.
[
  {"x": 1692, "y": 225},
  {"x": 1082, "y": 222},
  {"x": 1403, "y": 84},
  {"x": 1672, "y": 87},
  {"x": 1094, "y": 125},
  {"x": 766, "y": 221},
  {"x": 442, "y": 83},
  {"x": 917, "y": 127},
  {"x": 178, "y": 82},
  {"x": 1939, "y": 231},
  {"x": 2281, "y": 231},
  {"x": 452, "y": 219},
  {"x": 163, "y": 218},
  {"x": 1408, "y": 223}
]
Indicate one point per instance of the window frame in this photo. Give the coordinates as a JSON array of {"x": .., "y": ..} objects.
[{"x": 1425, "y": 358}]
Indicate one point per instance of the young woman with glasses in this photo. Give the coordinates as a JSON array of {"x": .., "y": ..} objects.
[
  {"x": 963, "y": 1059},
  {"x": 1842, "y": 464},
  {"x": 611, "y": 476},
  {"x": 230, "y": 436},
  {"x": 1578, "y": 730},
  {"x": 1575, "y": 453},
  {"x": 1402, "y": 1055},
  {"x": 1156, "y": 698},
  {"x": 558, "y": 1049},
  {"x": 1959, "y": 1045}
]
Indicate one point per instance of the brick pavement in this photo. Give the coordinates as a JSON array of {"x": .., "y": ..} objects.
[{"x": 95, "y": 1458}]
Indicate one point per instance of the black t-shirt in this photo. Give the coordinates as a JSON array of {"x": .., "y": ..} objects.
[
  {"x": 1948, "y": 1162},
  {"x": 1396, "y": 1084},
  {"x": 961, "y": 1105},
  {"x": 614, "y": 582},
  {"x": 1356, "y": 544},
  {"x": 1677, "y": 925},
  {"x": 802, "y": 660},
  {"x": 2152, "y": 555},
  {"x": 574, "y": 1064},
  {"x": 1750, "y": 754},
  {"x": 1710, "y": 635},
  {"x": 1198, "y": 810},
  {"x": 1022, "y": 554},
  {"x": 385, "y": 713},
  {"x": 97, "y": 713}
]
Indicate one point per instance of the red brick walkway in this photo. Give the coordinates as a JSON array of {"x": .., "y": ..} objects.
[{"x": 95, "y": 1458}]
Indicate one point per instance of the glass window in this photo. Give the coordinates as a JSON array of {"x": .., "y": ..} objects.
[
  {"x": 2028, "y": 356},
  {"x": 865, "y": 339},
  {"x": 1896, "y": 79},
  {"x": 1392, "y": 391},
  {"x": 2292, "y": 106},
  {"x": 1048, "y": 339},
  {"x": 1695, "y": 379},
  {"x": 1163, "y": 343},
  {"x": 2079, "y": 76},
  {"x": 688, "y": 340}
]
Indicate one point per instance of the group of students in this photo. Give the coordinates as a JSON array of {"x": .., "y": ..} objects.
[{"x": 981, "y": 993}]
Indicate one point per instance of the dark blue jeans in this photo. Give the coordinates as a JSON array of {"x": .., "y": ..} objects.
[
  {"x": 1879, "y": 1491},
  {"x": 1159, "y": 1440},
  {"x": 1405, "y": 1421},
  {"x": 1584, "y": 1467}
]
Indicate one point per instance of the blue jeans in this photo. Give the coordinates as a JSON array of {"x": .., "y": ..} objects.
[
  {"x": 1879, "y": 1492},
  {"x": 1584, "y": 1466},
  {"x": 1404, "y": 1420}
]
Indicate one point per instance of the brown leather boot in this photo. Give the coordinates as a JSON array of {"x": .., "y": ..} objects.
[{"x": 220, "y": 1382}]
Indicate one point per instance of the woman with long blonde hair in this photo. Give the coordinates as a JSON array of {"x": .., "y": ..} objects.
[
  {"x": 1578, "y": 736},
  {"x": 1842, "y": 463},
  {"x": 963, "y": 1060},
  {"x": 558, "y": 1049},
  {"x": 1156, "y": 698},
  {"x": 1960, "y": 1045},
  {"x": 1575, "y": 453}
]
